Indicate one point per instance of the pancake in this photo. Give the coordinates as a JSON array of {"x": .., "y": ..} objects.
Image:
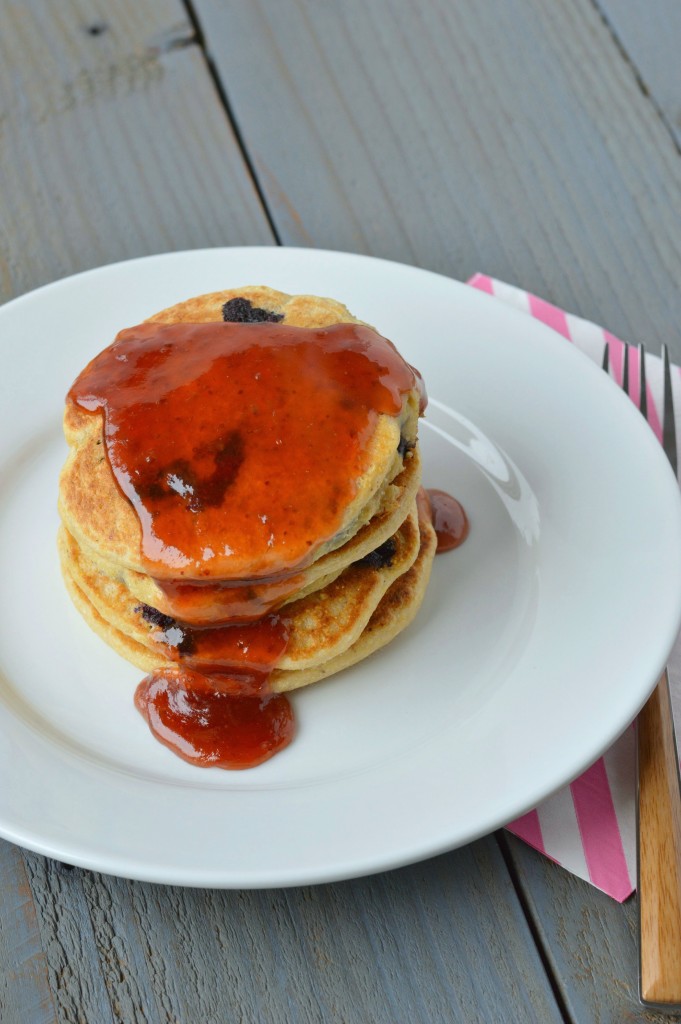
[
  {"x": 298, "y": 310},
  {"x": 320, "y": 626},
  {"x": 394, "y": 612},
  {"x": 240, "y": 508},
  {"x": 206, "y": 609},
  {"x": 99, "y": 516},
  {"x": 95, "y": 511}
]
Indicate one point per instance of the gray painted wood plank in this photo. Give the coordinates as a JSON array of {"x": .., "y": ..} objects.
[
  {"x": 97, "y": 948},
  {"x": 111, "y": 145},
  {"x": 441, "y": 942},
  {"x": 24, "y": 984},
  {"x": 444, "y": 941},
  {"x": 589, "y": 940},
  {"x": 649, "y": 35},
  {"x": 510, "y": 138},
  {"x": 68, "y": 941}
]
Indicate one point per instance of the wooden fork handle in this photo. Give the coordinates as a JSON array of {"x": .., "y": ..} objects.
[{"x": 659, "y": 860}]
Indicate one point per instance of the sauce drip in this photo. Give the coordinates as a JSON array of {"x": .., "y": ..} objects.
[
  {"x": 210, "y": 728},
  {"x": 216, "y": 433},
  {"x": 234, "y": 601},
  {"x": 239, "y": 656},
  {"x": 449, "y": 520},
  {"x": 216, "y": 708}
]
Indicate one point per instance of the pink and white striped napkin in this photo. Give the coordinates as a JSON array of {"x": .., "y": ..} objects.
[{"x": 589, "y": 827}]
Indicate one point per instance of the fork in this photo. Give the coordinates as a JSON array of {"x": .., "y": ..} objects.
[{"x": 659, "y": 794}]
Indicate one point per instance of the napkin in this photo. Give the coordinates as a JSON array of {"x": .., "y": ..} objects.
[{"x": 589, "y": 827}]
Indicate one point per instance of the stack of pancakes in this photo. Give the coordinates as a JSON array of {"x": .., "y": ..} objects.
[{"x": 362, "y": 586}]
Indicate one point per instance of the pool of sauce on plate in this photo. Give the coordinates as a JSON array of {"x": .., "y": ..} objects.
[
  {"x": 211, "y": 728},
  {"x": 449, "y": 520},
  {"x": 216, "y": 707},
  {"x": 225, "y": 490}
]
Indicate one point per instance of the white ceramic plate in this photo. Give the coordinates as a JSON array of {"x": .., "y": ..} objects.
[{"x": 538, "y": 641}]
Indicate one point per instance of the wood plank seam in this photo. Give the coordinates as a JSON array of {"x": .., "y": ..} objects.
[
  {"x": 25, "y": 986},
  {"x": 229, "y": 113},
  {"x": 636, "y": 72},
  {"x": 542, "y": 949}
]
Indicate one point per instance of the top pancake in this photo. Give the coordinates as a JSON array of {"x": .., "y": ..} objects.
[{"x": 102, "y": 520}]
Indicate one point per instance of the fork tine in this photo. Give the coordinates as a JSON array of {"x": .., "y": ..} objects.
[
  {"x": 668, "y": 425},
  {"x": 625, "y": 371},
  {"x": 643, "y": 394}
]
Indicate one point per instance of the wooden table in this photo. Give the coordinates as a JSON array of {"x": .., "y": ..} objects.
[{"x": 535, "y": 140}]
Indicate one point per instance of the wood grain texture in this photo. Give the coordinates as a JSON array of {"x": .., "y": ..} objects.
[
  {"x": 659, "y": 890},
  {"x": 589, "y": 941},
  {"x": 68, "y": 942},
  {"x": 512, "y": 139},
  {"x": 97, "y": 939},
  {"x": 111, "y": 145},
  {"x": 24, "y": 983},
  {"x": 436, "y": 943},
  {"x": 649, "y": 36}
]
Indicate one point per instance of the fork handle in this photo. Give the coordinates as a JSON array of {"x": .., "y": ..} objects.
[{"x": 659, "y": 861}]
